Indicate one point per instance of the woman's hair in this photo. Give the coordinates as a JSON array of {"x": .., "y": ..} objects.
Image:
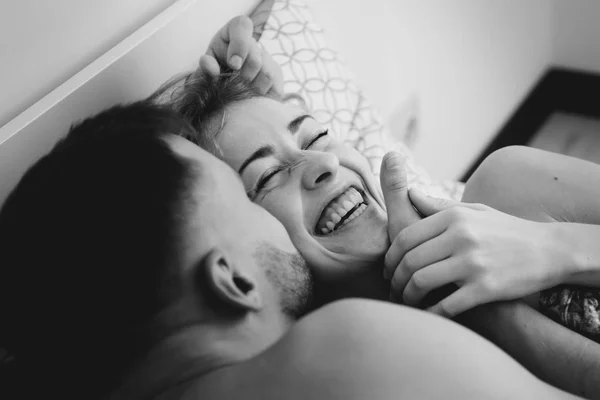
[
  {"x": 89, "y": 250},
  {"x": 202, "y": 100}
]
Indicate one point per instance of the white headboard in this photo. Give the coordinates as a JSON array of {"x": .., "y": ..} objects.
[{"x": 167, "y": 45}]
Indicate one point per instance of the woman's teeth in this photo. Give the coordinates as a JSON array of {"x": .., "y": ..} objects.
[
  {"x": 341, "y": 210},
  {"x": 330, "y": 227}
]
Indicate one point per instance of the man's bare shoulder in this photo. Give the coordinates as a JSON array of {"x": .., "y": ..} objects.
[
  {"x": 358, "y": 349},
  {"x": 335, "y": 352},
  {"x": 365, "y": 349},
  {"x": 350, "y": 316}
]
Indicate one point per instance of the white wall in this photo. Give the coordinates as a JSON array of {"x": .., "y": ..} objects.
[
  {"x": 469, "y": 63},
  {"x": 43, "y": 43},
  {"x": 577, "y": 34}
]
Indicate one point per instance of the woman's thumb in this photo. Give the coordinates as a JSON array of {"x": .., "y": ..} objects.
[
  {"x": 427, "y": 205},
  {"x": 394, "y": 185}
]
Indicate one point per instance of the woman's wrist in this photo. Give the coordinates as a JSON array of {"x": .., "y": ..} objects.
[{"x": 576, "y": 253}]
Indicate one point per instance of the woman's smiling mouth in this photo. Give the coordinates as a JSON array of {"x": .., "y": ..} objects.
[{"x": 341, "y": 210}]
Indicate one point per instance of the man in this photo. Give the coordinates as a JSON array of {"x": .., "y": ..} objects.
[
  {"x": 126, "y": 221},
  {"x": 134, "y": 267}
]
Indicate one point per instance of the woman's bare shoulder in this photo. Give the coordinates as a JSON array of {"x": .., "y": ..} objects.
[{"x": 537, "y": 185}]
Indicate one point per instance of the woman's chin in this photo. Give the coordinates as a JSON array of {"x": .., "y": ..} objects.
[{"x": 369, "y": 242}]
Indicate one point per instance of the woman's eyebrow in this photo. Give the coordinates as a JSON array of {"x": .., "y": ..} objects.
[
  {"x": 261, "y": 152},
  {"x": 294, "y": 125},
  {"x": 266, "y": 151}
]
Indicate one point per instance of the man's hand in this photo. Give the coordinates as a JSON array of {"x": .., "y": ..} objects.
[
  {"x": 490, "y": 255},
  {"x": 233, "y": 47}
]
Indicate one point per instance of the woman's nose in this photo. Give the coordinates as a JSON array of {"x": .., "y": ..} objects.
[{"x": 321, "y": 167}]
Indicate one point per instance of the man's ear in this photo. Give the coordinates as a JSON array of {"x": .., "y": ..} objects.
[{"x": 230, "y": 283}]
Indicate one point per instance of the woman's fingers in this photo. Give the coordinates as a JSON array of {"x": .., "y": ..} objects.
[
  {"x": 264, "y": 79},
  {"x": 253, "y": 63},
  {"x": 232, "y": 44},
  {"x": 427, "y": 205},
  {"x": 273, "y": 72},
  {"x": 412, "y": 237},
  {"x": 418, "y": 260},
  {"x": 209, "y": 65},
  {"x": 238, "y": 36},
  {"x": 463, "y": 299},
  {"x": 432, "y": 277},
  {"x": 234, "y": 47}
]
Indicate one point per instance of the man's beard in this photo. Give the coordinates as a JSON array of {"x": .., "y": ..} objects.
[{"x": 290, "y": 275}]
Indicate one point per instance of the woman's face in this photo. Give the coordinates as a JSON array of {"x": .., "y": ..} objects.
[{"x": 320, "y": 189}]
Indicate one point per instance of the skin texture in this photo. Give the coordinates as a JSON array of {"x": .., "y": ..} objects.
[
  {"x": 547, "y": 188},
  {"x": 234, "y": 48},
  {"x": 342, "y": 351},
  {"x": 555, "y": 354},
  {"x": 491, "y": 255},
  {"x": 220, "y": 188},
  {"x": 243, "y": 216},
  {"x": 313, "y": 168},
  {"x": 513, "y": 315},
  {"x": 237, "y": 297}
]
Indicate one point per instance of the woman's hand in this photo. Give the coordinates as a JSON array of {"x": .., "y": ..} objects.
[
  {"x": 489, "y": 255},
  {"x": 233, "y": 47}
]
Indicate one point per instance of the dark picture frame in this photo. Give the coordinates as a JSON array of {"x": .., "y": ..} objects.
[{"x": 559, "y": 90}]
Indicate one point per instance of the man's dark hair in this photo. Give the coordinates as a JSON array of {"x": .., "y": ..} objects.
[{"x": 89, "y": 250}]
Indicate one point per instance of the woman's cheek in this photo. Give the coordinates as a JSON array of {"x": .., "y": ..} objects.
[{"x": 286, "y": 209}]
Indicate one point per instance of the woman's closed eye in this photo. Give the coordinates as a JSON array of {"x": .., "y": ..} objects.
[
  {"x": 316, "y": 139},
  {"x": 264, "y": 180}
]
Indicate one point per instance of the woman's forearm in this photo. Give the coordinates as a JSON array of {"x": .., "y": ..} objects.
[
  {"x": 554, "y": 353},
  {"x": 575, "y": 302},
  {"x": 580, "y": 246}
]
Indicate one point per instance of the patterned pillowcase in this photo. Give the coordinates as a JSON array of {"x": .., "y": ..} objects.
[
  {"x": 309, "y": 67},
  {"x": 313, "y": 70}
]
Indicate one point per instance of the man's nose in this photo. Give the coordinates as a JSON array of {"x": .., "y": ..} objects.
[{"x": 321, "y": 167}]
